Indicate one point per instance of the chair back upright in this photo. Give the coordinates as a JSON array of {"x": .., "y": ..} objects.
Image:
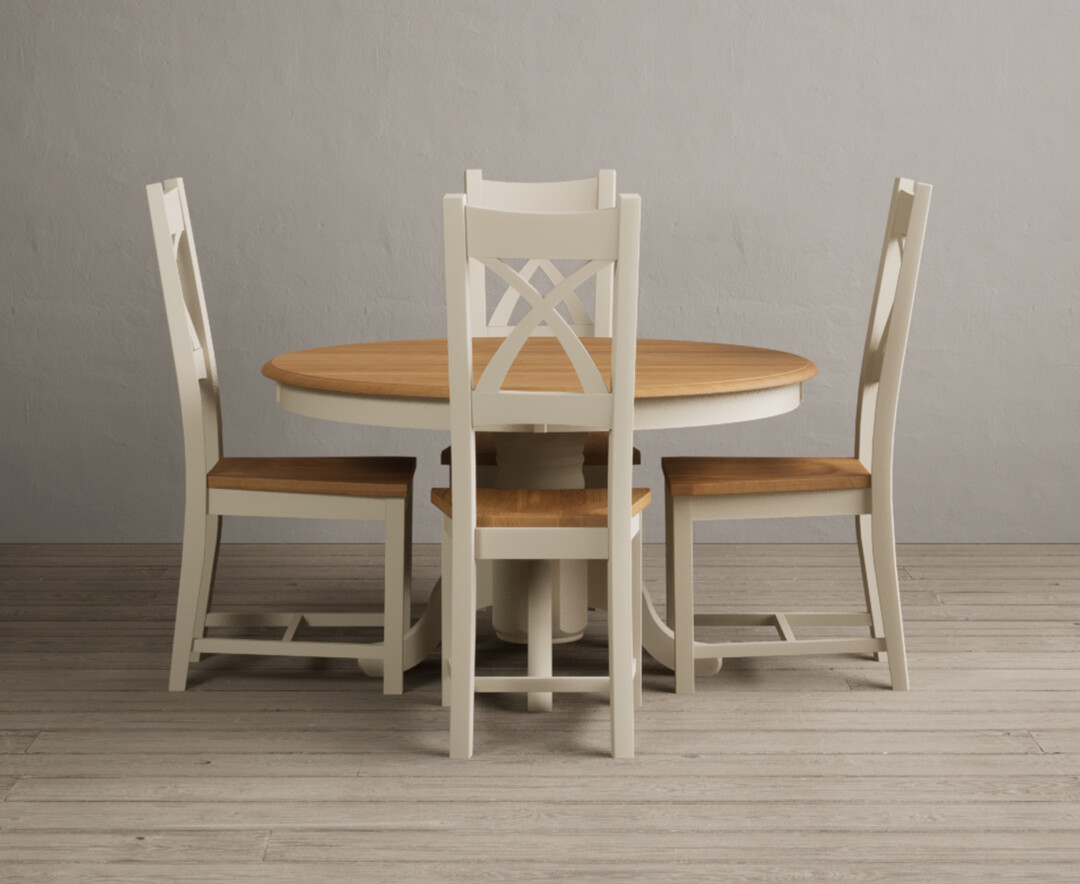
[
  {"x": 542, "y": 196},
  {"x": 189, "y": 329},
  {"x": 573, "y": 393},
  {"x": 887, "y": 334}
]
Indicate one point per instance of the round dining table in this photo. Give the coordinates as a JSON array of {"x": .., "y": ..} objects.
[{"x": 405, "y": 384}]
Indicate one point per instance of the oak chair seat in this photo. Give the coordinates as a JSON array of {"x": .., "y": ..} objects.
[
  {"x": 540, "y": 508},
  {"x": 596, "y": 450},
  {"x": 349, "y": 476},
  {"x": 706, "y": 476}
]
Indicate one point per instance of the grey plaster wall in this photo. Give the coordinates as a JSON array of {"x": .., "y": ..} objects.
[{"x": 318, "y": 138}]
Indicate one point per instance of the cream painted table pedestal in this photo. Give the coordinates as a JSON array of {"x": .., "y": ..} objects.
[{"x": 405, "y": 384}]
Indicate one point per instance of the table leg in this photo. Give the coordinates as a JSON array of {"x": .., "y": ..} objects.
[{"x": 656, "y": 636}]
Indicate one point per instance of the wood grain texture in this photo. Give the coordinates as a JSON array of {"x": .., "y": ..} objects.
[
  {"x": 703, "y": 476},
  {"x": 604, "y": 864},
  {"x": 418, "y": 368},
  {"x": 117, "y": 847},
  {"x": 540, "y": 508},
  {"x": 507, "y": 817},
  {"x": 16, "y": 742},
  {"x": 821, "y": 846},
  {"x": 1008, "y": 766},
  {"x": 271, "y": 770},
  {"x": 352, "y": 476},
  {"x": 687, "y": 787}
]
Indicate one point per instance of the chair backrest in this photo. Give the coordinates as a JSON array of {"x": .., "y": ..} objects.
[
  {"x": 890, "y": 320},
  {"x": 541, "y": 196},
  {"x": 189, "y": 328},
  {"x": 571, "y": 393}
]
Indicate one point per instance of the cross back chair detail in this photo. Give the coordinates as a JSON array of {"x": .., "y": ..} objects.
[
  {"x": 507, "y": 523},
  {"x": 540, "y": 196},
  {"x": 361, "y": 488},
  {"x": 579, "y": 195},
  {"x": 701, "y": 489}
]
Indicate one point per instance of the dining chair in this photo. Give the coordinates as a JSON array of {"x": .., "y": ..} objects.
[
  {"x": 506, "y": 523},
  {"x": 702, "y": 489},
  {"x": 578, "y": 195},
  {"x": 362, "y": 488}
]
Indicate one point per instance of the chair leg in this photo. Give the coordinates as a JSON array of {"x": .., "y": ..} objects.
[
  {"x": 884, "y": 553},
  {"x": 863, "y": 530},
  {"x": 669, "y": 561},
  {"x": 197, "y": 564},
  {"x": 463, "y": 643},
  {"x": 635, "y": 606},
  {"x": 395, "y": 600},
  {"x": 620, "y": 648},
  {"x": 681, "y": 591},
  {"x": 540, "y": 632},
  {"x": 206, "y": 579},
  {"x": 447, "y": 610}
]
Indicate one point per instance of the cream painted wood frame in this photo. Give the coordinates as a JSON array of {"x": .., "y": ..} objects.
[
  {"x": 486, "y": 238},
  {"x": 540, "y": 196},
  {"x": 879, "y": 386},
  {"x": 197, "y": 380}
]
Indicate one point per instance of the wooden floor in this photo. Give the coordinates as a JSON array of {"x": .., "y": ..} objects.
[{"x": 777, "y": 769}]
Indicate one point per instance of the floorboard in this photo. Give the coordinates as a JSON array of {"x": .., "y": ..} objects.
[{"x": 277, "y": 769}]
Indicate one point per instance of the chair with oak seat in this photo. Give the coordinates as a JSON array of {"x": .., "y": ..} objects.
[
  {"x": 361, "y": 488},
  {"x": 529, "y": 524},
  {"x": 700, "y": 489},
  {"x": 581, "y": 194}
]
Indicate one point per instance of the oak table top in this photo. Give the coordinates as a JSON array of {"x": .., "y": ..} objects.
[{"x": 417, "y": 369}]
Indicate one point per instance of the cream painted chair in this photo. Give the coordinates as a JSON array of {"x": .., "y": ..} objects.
[
  {"x": 364, "y": 488},
  {"x": 700, "y": 489},
  {"x": 578, "y": 195},
  {"x": 507, "y": 523}
]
